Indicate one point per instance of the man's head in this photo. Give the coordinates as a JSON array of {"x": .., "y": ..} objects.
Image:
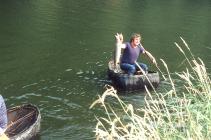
[{"x": 135, "y": 39}]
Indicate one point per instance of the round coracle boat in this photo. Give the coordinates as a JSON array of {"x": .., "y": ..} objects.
[
  {"x": 138, "y": 81},
  {"x": 23, "y": 122}
]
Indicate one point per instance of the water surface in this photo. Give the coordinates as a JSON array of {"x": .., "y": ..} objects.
[{"x": 54, "y": 53}]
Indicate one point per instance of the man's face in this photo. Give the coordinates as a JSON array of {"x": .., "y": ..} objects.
[{"x": 136, "y": 41}]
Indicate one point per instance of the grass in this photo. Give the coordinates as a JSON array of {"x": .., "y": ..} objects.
[{"x": 175, "y": 114}]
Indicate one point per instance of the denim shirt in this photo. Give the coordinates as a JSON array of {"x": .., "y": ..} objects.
[{"x": 3, "y": 115}]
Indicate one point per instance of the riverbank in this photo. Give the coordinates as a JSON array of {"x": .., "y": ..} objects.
[{"x": 175, "y": 114}]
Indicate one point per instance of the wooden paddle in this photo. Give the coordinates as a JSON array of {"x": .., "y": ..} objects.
[{"x": 145, "y": 74}]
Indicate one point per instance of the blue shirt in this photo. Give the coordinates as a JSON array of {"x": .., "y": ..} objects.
[
  {"x": 130, "y": 54},
  {"x": 3, "y": 115}
]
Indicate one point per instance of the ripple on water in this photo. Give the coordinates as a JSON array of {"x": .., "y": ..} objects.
[
  {"x": 79, "y": 72},
  {"x": 27, "y": 96},
  {"x": 29, "y": 85},
  {"x": 68, "y": 70}
]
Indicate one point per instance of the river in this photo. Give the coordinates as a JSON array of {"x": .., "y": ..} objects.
[{"x": 54, "y": 53}]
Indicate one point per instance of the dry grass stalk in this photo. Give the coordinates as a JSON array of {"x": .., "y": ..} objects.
[{"x": 186, "y": 115}]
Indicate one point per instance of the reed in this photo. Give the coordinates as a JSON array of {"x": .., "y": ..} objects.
[{"x": 175, "y": 114}]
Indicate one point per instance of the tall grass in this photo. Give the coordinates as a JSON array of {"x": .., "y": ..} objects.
[{"x": 175, "y": 114}]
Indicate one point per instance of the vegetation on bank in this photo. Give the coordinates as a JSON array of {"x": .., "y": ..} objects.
[{"x": 175, "y": 114}]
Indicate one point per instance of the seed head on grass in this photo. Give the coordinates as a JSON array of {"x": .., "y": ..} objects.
[{"x": 186, "y": 115}]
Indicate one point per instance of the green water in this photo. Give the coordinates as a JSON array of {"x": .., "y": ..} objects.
[{"x": 54, "y": 53}]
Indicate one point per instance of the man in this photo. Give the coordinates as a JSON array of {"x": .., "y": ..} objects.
[
  {"x": 3, "y": 119},
  {"x": 131, "y": 52}
]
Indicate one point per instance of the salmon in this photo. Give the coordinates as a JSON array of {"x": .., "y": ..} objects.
[{"x": 117, "y": 54}]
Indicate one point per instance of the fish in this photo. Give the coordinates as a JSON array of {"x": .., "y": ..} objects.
[
  {"x": 119, "y": 38},
  {"x": 117, "y": 54}
]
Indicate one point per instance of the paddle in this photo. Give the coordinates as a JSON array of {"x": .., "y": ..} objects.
[
  {"x": 160, "y": 71},
  {"x": 140, "y": 68},
  {"x": 145, "y": 75},
  {"x": 155, "y": 63}
]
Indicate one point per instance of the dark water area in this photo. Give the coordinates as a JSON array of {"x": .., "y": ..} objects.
[{"x": 54, "y": 53}]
